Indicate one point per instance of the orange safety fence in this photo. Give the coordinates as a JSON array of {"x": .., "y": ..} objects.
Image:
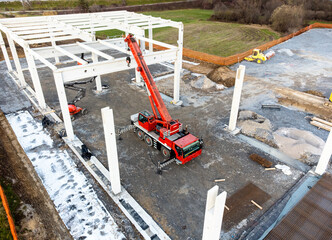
[
  {"x": 239, "y": 57},
  {"x": 9, "y": 216}
]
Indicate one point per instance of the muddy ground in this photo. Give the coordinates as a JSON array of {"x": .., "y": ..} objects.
[{"x": 176, "y": 199}]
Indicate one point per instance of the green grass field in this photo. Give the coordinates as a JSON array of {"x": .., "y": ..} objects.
[
  {"x": 319, "y": 21},
  {"x": 66, "y": 4},
  {"x": 14, "y": 204},
  {"x": 217, "y": 38}
]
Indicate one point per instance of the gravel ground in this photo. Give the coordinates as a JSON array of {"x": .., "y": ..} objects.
[{"x": 301, "y": 63}]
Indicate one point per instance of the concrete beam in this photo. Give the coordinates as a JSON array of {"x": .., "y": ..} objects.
[
  {"x": 116, "y": 65},
  {"x": 5, "y": 54},
  {"x": 236, "y": 97},
  {"x": 325, "y": 156},
  {"x": 47, "y": 52},
  {"x": 214, "y": 212},
  {"x": 35, "y": 79},
  {"x": 64, "y": 105},
  {"x": 16, "y": 61},
  {"x": 178, "y": 67},
  {"x": 112, "y": 153}
]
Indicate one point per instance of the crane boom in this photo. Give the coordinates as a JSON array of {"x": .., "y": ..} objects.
[{"x": 148, "y": 79}]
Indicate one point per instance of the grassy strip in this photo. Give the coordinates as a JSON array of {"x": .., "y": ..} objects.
[
  {"x": 142, "y": 2},
  {"x": 67, "y": 4},
  {"x": 319, "y": 21},
  {"x": 200, "y": 34},
  {"x": 14, "y": 204}
]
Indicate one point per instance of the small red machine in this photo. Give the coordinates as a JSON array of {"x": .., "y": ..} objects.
[
  {"x": 161, "y": 131},
  {"x": 73, "y": 109}
]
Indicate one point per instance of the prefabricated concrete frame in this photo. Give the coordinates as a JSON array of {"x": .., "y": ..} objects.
[
  {"x": 73, "y": 27},
  {"x": 82, "y": 27}
]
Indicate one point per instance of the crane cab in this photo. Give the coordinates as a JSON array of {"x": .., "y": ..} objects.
[{"x": 147, "y": 120}]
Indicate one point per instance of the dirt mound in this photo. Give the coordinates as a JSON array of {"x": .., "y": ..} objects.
[
  {"x": 256, "y": 126},
  {"x": 299, "y": 144},
  {"x": 315, "y": 93},
  {"x": 222, "y": 75},
  {"x": 305, "y": 101},
  {"x": 205, "y": 83},
  {"x": 262, "y": 161}
]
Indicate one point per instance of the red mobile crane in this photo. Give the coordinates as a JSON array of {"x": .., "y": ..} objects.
[{"x": 162, "y": 131}]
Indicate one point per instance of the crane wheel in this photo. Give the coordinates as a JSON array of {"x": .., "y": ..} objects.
[
  {"x": 166, "y": 153},
  {"x": 259, "y": 61},
  {"x": 148, "y": 140},
  {"x": 140, "y": 134},
  {"x": 84, "y": 111}
]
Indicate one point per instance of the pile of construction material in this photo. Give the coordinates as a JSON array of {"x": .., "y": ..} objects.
[{"x": 320, "y": 123}]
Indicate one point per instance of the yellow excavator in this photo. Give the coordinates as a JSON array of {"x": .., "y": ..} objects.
[
  {"x": 258, "y": 56},
  {"x": 329, "y": 102}
]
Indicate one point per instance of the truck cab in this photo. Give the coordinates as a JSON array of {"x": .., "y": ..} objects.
[
  {"x": 187, "y": 148},
  {"x": 147, "y": 120}
]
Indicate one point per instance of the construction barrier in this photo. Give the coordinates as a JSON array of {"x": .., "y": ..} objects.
[
  {"x": 239, "y": 57},
  {"x": 9, "y": 216}
]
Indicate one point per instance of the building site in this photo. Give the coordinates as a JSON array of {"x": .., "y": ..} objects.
[{"x": 159, "y": 120}]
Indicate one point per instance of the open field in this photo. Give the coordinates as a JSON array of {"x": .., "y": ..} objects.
[{"x": 217, "y": 38}]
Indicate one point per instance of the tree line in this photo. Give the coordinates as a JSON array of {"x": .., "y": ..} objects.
[{"x": 282, "y": 15}]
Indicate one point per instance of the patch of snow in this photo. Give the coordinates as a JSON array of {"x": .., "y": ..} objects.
[
  {"x": 242, "y": 224},
  {"x": 220, "y": 87},
  {"x": 287, "y": 51},
  {"x": 207, "y": 165},
  {"x": 163, "y": 77},
  {"x": 74, "y": 198},
  {"x": 285, "y": 169},
  {"x": 203, "y": 82},
  {"x": 192, "y": 63}
]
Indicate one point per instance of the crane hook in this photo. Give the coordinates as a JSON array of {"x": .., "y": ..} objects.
[{"x": 128, "y": 60}]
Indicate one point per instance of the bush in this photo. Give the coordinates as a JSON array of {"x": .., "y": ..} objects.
[
  {"x": 223, "y": 13},
  {"x": 287, "y": 18},
  {"x": 83, "y": 5}
]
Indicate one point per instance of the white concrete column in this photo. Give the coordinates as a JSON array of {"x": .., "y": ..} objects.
[
  {"x": 125, "y": 22},
  {"x": 236, "y": 97},
  {"x": 16, "y": 61},
  {"x": 150, "y": 37},
  {"x": 5, "y": 54},
  {"x": 112, "y": 153},
  {"x": 138, "y": 76},
  {"x": 214, "y": 212},
  {"x": 325, "y": 156},
  {"x": 64, "y": 104},
  {"x": 98, "y": 79},
  {"x": 51, "y": 21},
  {"x": 137, "y": 73},
  {"x": 142, "y": 42},
  {"x": 35, "y": 79},
  {"x": 178, "y": 67}
]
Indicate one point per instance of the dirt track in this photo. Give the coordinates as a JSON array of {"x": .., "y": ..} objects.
[{"x": 41, "y": 220}]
